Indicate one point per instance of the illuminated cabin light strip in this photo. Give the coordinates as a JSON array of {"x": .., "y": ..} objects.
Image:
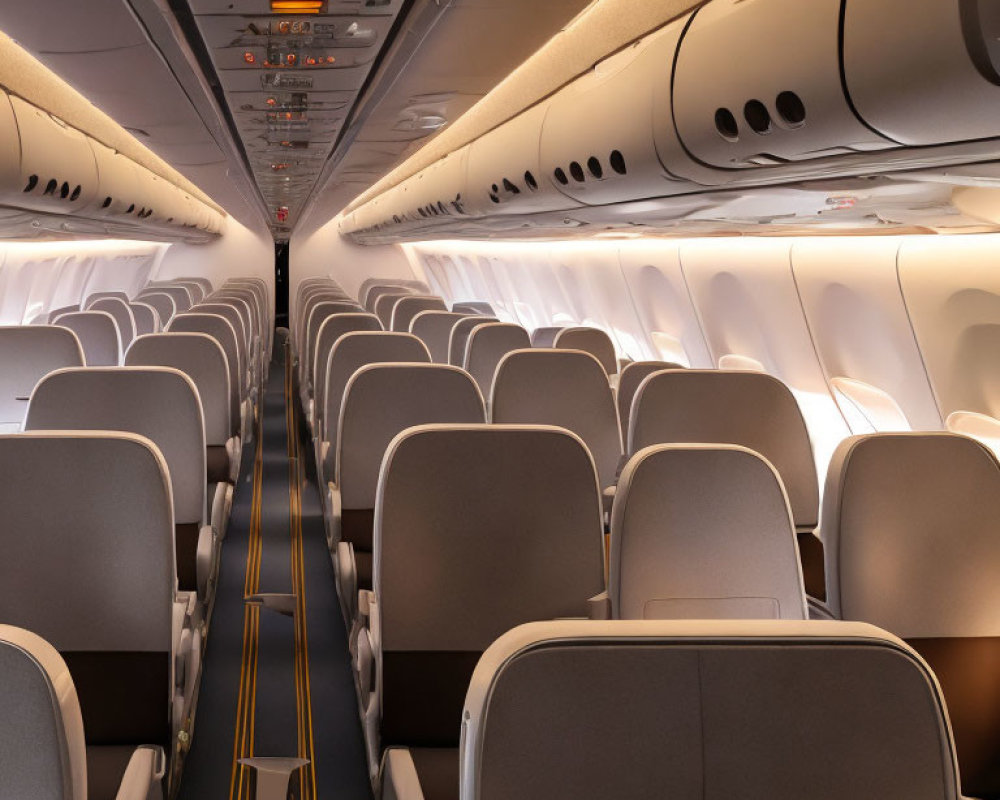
[{"x": 297, "y": 6}]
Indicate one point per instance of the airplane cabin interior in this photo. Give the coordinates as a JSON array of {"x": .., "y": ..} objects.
[{"x": 499, "y": 399}]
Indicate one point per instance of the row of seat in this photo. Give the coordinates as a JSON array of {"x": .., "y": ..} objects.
[
  {"x": 475, "y": 528},
  {"x": 120, "y": 484}
]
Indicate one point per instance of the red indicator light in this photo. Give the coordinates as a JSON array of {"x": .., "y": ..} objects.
[
  {"x": 291, "y": 58},
  {"x": 271, "y": 101},
  {"x": 330, "y": 59},
  {"x": 249, "y": 57},
  {"x": 311, "y": 61}
]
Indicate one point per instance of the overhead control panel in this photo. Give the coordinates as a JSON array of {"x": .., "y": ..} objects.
[{"x": 292, "y": 71}]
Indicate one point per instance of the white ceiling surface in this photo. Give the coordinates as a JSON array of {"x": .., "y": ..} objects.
[{"x": 102, "y": 48}]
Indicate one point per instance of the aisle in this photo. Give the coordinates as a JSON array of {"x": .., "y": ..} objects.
[{"x": 274, "y": 685}]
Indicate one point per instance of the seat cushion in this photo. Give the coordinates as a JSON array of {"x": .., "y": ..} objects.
[
  {"x": 217, "y": 463},
  {"x": 437, "y": 769}
]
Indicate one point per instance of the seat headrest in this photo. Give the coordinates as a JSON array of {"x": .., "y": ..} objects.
[
  {"x": 42, "y": 749},
  {"x": 407, "y": 308},
  {"x": 481, "y": 527},
  {"x": 147, "y": 318},
  {"x": 385, "y": 303},
  {"x": 459, "y": 337},
  {"x": 751, "y": 409},
  {"x": 202, "y": 359},
  {"x": 474, "y": 307},
  {"x": 358, "y": 349},
  {"x": 92, "y": 511},
  {"x": 703, "y": 532},
  {"x": 93, "y": 298},
  {"x": 782, "y": 710},
  {"x": 156, "y": 402},
  {"x": 433, "y": 328},
  {"x": 545, "y": 336},
  {"x": 98, "y": 335},
  {"x": 162, "y": 302},
  {"x": 591, "y": 340},
  {"x": 180, "y": 295},
  {"x": 911, "y": 523},
  {"x": 568, "y": 388},
  {"x": 628, "y": 384},
  {"x": 27, "y": 354},
  {"x": 487, "y": 344},
  {"x": 382, "y": 400}
]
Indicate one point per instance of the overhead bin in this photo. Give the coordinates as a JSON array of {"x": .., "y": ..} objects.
[
  {"x": 758, "y": 84},
  {"x": 598, "y": 142},
  {"x": 924, "y": 72}
]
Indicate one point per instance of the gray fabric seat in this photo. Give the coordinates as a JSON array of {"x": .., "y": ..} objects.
[
  {"x": 566, "y": 388},
  {"x": 590, "y": 340},
  {"x": 161, "y": 404},
  {"x": 911, "y": 523},
  {"x": 318, "y": 314},
  {"x": 43, "y": 751},
  {"x": 407, "y": 308},
  {"x": 162, "y": 302},
  {"x": 88, "y": 564},
  {"x": 27, "y": 354},
  {"x": 487, "y": 344},
  {"x": 333, "y": 327},
  {"x": 349, "y": 353},
  {"x": 371, "y": 295},
  {"x": 122, "y": 313},
  {"x": 474, "y": 307},
  {"x": 751, "y": 409},
  {"x": 98, "y": 335},
  {"x": 180, "y": 296},
  {"x": 545, "y": 336},
  {"x": 628, "y": 384},
  {"x": 478, "y": 528},
  {"x": 147, "y": 318},
  {"x": 95, "y": 296},
  {"x": 203, "y": 360},
  {"x": 688, "y": 710},
  {"x": 385, "y": 304},
  {"x": 433, "y": 328},
  {"x": 381, "y": 401},
  {"x": 459, "y": 338},
  {"x": 703, "y": 532}
]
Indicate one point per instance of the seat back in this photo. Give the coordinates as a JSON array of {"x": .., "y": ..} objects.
[
  {"x": 407, "y": 308},
  {"x": 204, "y": 283},
  {"x": 122, "y": 314},
  {"x": 371, "y": 297},
  {"x": 688, "y": 710},
  {"x": 380, "y": 401},
  {"x": 478, "y": 528},
  {"x": 195, "y": 289},
  {"x": 88, "y": 564},
  {"x": 474, "y": 307},
  {"x": 42, "y": 749},
  {"x": 27, "y": 354},
  {"x": 911, "y": 523},
  {"x": 98, "y": 335},
  {"x": 751, "y": 409},
  {"x": 566, "y": 388},
  {"x": 162, "y": 302},
  {"x": 459, "y": 338},
  {"x": 220, "y": 329},
  {"x": 231, "y": 313},
  {"x": 351, "y": 352},
  {"x": 703, "y": 532},
  {"x": 180, "y": 295},
  {"x": 95, "y": 296},
  {"x": 309, "y": 302},
  {"x": 545, "y": 336},
  {"x": 385, "y": 304},
  {"x": 318, "y": 314},
  {"x": 333, "y": 327},
  {"x": 159, "y": 403},
  {"x": 628, "y": 384},
  {"x": 46, "y": 318},
  {"x": 147, "y": 319},
  {"x": 590, "y": 340},
  {"x": 202, "y": 359},
  {"x": 433, "y": 328},
  {"x": 487, "y": 345}
]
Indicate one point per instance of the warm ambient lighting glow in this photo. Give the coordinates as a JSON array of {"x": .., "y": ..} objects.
[{"x": 296, "y": 6}]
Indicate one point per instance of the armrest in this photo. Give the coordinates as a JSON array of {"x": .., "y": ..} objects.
[
  {"x": 399, "y": 776},
  {"x": 333, "y": 514},
  {"x": 235, "y": 451},
  {"x": 347, "y": 581},
  {"x": 143, "y": 776},
  {"x": 599, "y": 606},
  {"x": 222, "y": 503},
  {"x": 205, "y": 561}
]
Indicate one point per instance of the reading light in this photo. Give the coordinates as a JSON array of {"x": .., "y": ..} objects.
[
  {"x": 297, "y": 6},
  {"x": 249, "y": 57}
]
